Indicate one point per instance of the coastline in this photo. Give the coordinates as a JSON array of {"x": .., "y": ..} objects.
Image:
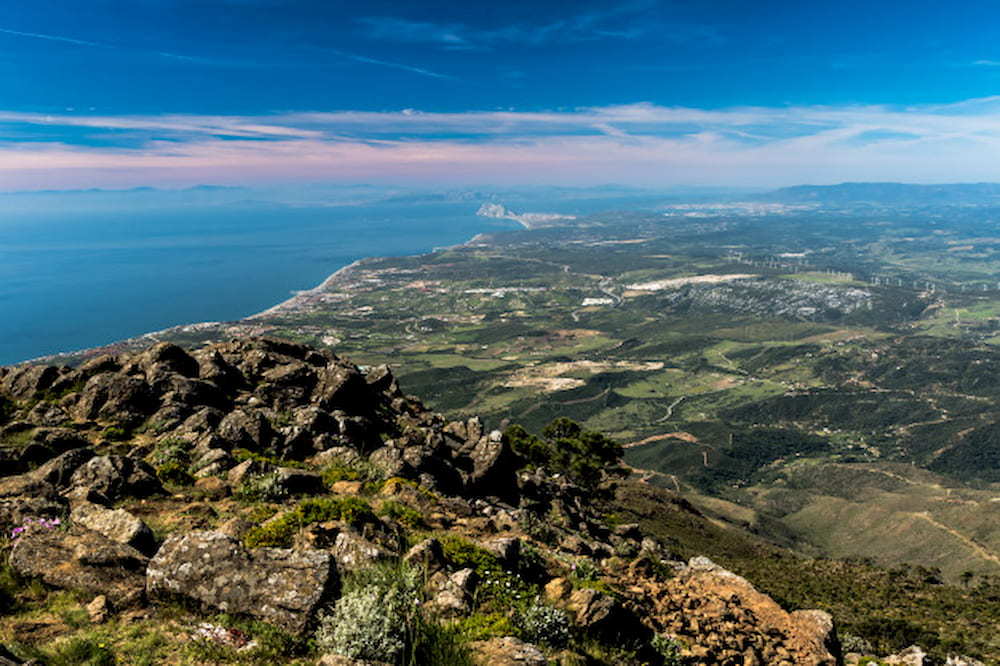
[
  {"x": 257, "y": 318},
  {"x": 328, "y": 282},
  {"x": 150, "y": 337}
]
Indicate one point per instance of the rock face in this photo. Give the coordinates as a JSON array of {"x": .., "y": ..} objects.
[
  {"x": 83, "y": 560},
  {"x": 724, "y": 620},
  {"x": 284, "y": 587}
]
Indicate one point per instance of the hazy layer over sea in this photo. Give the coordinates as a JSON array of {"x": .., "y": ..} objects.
[{"x": 83, "y": 269}]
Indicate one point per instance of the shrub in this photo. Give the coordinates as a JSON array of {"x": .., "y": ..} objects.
[
  {"x": 375, "y": 618},
  {"x": 498, "y": 589},
  {"x": 402, "y": 513},
  {"x": 353, "y": 470},
  {"x": 567, "y": 448},
  {"x": 115, "y": 434},
  {"x": 171, "y": 461},
  {"x": 669, "y": 648},
  {"x": 539, "y": 623},
  {"x": 261, "y": 488},
  {"x": 279, "y": 532}
]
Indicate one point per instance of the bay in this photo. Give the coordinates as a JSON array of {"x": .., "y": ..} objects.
[{"x": 71, "y": 280}]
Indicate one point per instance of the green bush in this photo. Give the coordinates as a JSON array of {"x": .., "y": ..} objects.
[
  {"x": 568, "y": 449},
  {"x": 172, "y": 461},
  {"x": 498, "y": 589},
  {"x": 261, "y": 488},
  {"x": 669, "y": 648},
  {"x": 395, "y": 510},
  {"x": 280, "y": 532}
]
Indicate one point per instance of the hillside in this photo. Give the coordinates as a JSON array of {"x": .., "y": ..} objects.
[{"x": 229, "y": 504}]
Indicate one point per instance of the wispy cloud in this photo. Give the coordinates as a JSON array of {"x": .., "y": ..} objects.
[
  {"x": 392, "y": 65},
  {"x": 621, "y": 21},
  {"x": 986, "y": 63},
  {"x": 55, "y": 38},
  {"x": 639, "y": 143}
]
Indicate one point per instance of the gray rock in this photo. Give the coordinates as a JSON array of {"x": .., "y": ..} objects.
[
  {"x": 300, "y": 481},
  {"x": 506, "y": 549},
  {"x": 353, "y": 552},
  {"x": 494, "y": 467},
  {"x": 116, "y": 524},
  {"x": 117, "y": 477},
  {"x": 284, "y": 587},
  {"x": 246, "y": 470},
  {"x": 247, "y": 430},
  {"x": 428, "y": 555},
  {"x": 507, "y": 651},
  {"x": 452, "y": 594},
  {"x": 83, "y": 560}
]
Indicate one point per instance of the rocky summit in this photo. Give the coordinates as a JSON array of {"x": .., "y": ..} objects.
[{"x": 259, "y": 501}]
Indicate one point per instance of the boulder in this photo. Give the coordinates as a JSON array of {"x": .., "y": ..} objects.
[
  {"x": 167, "y": 358},
  {"x": 353, "y": 552},
  {"x": 428, "y": 556},
  {"x": 98, "y": 610},
  {"x": 341, "y": 386},
  {"x": 283, "y": 587},
  {"x": 506, "y": 651},
  {"x": 452, "y": 594},
  {"x": 83, "y": 560},
  {"x": 116, "y": 524},
  {"x": 494, "y": 467},
  {"x": 300, "y": 481},
  {"x": 59, "y": 471},
  {"x": 116, "y": 397},
  {"x": 116, "y": 477},
  {"x": 246, "y": 429}
]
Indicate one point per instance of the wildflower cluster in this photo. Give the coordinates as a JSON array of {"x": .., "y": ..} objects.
[
  {"x": 35, "y": 524},
  {"x": 539, "y": 623}
]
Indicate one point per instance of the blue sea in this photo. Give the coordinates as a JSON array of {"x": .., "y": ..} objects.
[{"x": 73, "y": 277}]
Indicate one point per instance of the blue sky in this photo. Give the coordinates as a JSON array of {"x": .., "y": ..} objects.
[{"x": 178, "y": 92}]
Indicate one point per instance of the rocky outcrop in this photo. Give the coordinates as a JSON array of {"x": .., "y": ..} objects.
[
  {"x": 722, "y": 619},
  {"x": 284, "y": 587},
  {"x": 270, "y": 422}
]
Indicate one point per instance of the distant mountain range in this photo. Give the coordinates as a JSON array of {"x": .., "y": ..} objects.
[{"x": 887, "y": 193}]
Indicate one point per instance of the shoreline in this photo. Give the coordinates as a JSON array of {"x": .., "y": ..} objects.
[
  {"x": 330, "y": 279},
  {"x": 152, "y": 336}
]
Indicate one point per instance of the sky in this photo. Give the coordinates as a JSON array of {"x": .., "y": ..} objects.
[{"x": 175, "y": 93}]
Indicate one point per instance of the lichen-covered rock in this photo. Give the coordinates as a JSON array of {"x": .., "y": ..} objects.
[
  {"x": 116, "y": 524},
  {"x": 507, "y": 651},
  {"x": 284, "y": 587},
  {"x": 83, "y": 560},
  {"x": 117, "y": 477},
  {"x": 353, "y": 552}
]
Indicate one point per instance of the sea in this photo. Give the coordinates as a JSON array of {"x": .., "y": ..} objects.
[{"x": 72, "y": 279}]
